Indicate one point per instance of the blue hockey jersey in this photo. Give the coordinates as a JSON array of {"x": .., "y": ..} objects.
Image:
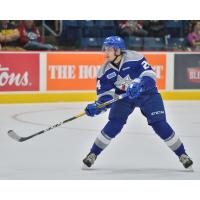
[{"x": 112, "y": 81}]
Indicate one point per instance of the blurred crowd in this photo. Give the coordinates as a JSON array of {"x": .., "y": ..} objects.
[
  {"x": 88, "y": 34},
  {"x": 22, "y": 35}
]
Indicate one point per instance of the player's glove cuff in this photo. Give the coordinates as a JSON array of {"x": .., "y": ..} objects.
[{"x": 92, "y": 109}]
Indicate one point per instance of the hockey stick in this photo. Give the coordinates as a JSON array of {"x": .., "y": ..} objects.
[{"x": 18, "y": 138}]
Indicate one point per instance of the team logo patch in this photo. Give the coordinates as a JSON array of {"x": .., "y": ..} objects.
[
  {"x": 113, "y": 74},
  {"x": 158, "y": 112}
]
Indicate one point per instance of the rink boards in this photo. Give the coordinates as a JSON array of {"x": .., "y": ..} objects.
[{"x": 28, "y": 77}]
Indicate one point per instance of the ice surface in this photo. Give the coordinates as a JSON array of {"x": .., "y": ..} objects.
[{"x": 137, "y": 153}]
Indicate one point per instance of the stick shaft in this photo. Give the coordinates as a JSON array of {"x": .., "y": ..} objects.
[{"x": 70, "y": 119}]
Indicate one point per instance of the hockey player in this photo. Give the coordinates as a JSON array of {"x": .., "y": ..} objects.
[{"x": 128, "y": 72}]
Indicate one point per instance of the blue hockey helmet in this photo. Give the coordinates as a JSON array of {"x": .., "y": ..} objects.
[{"x": 115, "y": 42}]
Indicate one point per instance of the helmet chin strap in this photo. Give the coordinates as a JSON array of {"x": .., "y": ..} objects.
[{"x": 116, "y": 56}]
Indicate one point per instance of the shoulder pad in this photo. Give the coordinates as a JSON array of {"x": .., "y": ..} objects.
[
  {"x": 105, "y": 67},
  {"x": 132, "y": 56}
]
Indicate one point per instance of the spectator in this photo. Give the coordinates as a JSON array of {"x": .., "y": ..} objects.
[
  {"x": 30, "y": 37},
  {"x": 194, "y": 37},
  {"x": 9, "y": 35},
  {"x": 128, "y": 28},
  {"x": 53, "y": 24},
  {"x": 155, "y": 28}
]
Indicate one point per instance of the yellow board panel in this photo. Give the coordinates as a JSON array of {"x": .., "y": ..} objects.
[{"x": 83, "y": 96}]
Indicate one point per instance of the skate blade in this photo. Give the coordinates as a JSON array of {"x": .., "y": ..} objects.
[
  {"x": 190, "y": 169},
  {"x": 85, "y": 167}
]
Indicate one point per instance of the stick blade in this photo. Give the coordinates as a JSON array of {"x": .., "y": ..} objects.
[{"x": 14, "y": 136}]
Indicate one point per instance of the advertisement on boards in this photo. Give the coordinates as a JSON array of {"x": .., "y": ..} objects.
[
  {"x": 19, "y": 72},
  {"x": 73, "y": 71},
  {"x": 187, "y": 71},
  {"x": 78, "y": 71}
]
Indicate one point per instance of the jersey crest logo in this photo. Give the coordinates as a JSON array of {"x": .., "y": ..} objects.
[
  {"x": 112, "y": 75},
  {"x": 123, "y": 83}
]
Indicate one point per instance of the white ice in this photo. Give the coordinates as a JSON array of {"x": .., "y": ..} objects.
[{"x": 137, "y": 153}]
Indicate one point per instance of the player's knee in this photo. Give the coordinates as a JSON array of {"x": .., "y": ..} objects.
[
  {"x": 163, "y": 129},
  {"x": 112, "y": 128}
]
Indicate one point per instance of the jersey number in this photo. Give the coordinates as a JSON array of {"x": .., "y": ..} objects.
[
  {"x": 145, "y": 65},
  {"x": 98, "y": 85}
]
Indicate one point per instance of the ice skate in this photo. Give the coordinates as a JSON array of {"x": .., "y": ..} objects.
[
  {"x": 186, "y": 161},
  {"x": 89, "y": 160}
]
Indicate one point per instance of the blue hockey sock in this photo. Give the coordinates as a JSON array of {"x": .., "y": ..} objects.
[
  {"x": 101, "y": 142},
  {"x": 164, "y": 130},
  {"x": 96, "y": 149},
  {"x": 175, "y": 144},
  {"x": 180, "y": 150}
]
